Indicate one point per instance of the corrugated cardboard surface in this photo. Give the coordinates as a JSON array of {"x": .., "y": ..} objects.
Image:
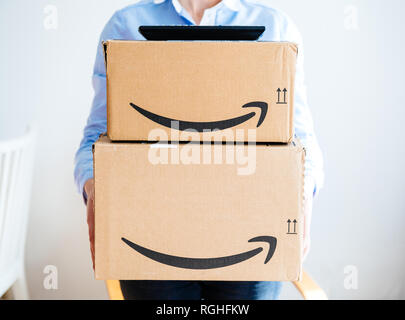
[
  {"x": 200, "y": 82},
  {"x": 196, "y": 211}
]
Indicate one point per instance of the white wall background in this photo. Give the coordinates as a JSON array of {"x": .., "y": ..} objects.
[{"x": 355, "y": 81}]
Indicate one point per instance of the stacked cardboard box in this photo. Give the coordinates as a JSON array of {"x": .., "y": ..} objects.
[{"x": 172, "y": 200}]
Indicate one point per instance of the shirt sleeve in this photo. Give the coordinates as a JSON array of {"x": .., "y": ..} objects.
[
  {"x": 97, "y": 120},
  {"x": 303, "y": 123}
]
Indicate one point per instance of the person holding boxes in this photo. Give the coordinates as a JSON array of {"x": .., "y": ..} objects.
[{"x": 124, "y": 25}]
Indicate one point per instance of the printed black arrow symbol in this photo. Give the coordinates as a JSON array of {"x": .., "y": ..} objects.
[
  {"x": 206, "y": 263},
  {"x": 288, "y": 221},
  {"x": 295, "y": 223},
  {"x": 202, "y": 126},
  {"x": 278, "y": 95},
  {"x": 285, "y": 92}
]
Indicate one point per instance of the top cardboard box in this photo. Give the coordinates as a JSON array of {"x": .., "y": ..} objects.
[{"x": 200, "y": 90}]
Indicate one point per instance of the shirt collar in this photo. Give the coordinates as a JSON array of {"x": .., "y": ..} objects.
[
  {"x": 234, "y": 5},
  {"x": 177, "y": 6}
]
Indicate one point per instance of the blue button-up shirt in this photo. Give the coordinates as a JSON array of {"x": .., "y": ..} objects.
[{"x": 124, "y": 25}]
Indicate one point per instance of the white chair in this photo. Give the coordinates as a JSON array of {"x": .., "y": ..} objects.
[{"x": 16, "y": 168}]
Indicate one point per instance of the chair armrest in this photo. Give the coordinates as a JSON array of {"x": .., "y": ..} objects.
[
  {"x": 114, "y": 289},
  {"x": 309, "y": 289}
]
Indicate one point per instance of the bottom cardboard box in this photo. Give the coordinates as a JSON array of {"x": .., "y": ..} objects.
[{"x": 198, "y": 212}]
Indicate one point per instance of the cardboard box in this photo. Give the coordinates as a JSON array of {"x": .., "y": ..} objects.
[
  {"x": 184, "y": 220},
  {"x": 195, "y": 86}
]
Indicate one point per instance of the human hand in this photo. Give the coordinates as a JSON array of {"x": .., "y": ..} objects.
[{"x": 89, "y": 189}]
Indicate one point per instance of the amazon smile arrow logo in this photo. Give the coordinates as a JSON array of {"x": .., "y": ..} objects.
[
  {"x": 207, "y": 263},
  {"x": 207, "y": 126}
]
